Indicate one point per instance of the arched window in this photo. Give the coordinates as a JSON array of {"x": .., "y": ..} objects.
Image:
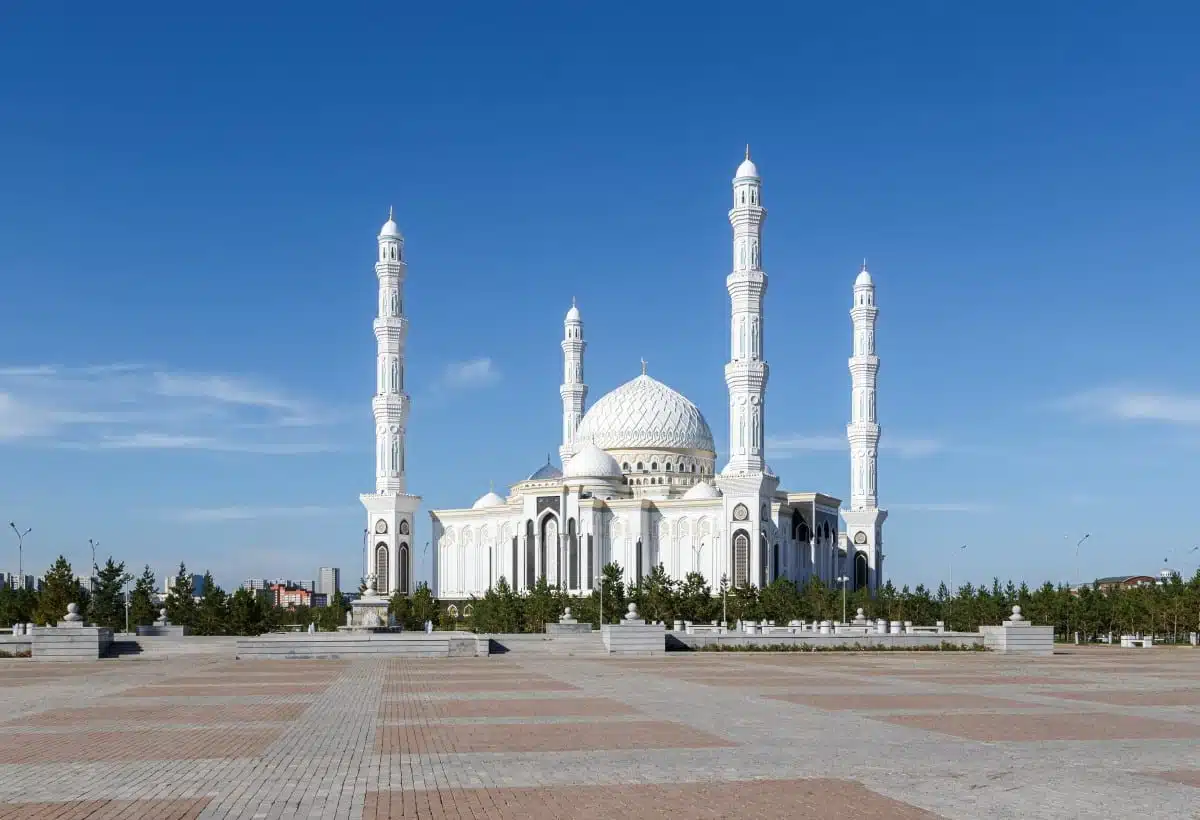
[
  {"x": 402, "y": 554},
  {"x": 654, "y": 466},
  {"x": 452, "y": 611},
  {"x": 625, "y": 466},
  {"x": 383, "y": 577},
  {"x": 693, "y": 468},
  {"x": 860, "y": 570},
  {"x": 572, "y": 556},
  {"x": 530, "y": 562},
  {"x": 467, "y": 610},
  {"x": 404, "y": 527},
  {"x": 669, "y": 466},
  {"x": 741, "y": 558},
  {"x": 641, "y": 467}
]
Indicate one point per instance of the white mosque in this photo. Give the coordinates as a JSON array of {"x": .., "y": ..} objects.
[{"x": 639, "y": 484}]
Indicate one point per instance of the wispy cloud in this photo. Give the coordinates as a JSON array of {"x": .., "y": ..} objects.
[
  {"x": 782, "y": 447},
  {"x": 468, "y": 375},
  {"x": 944, "y": 507},
  {"x": 1131, "y": 404},
  {"x": 128, "y": 406},
  {"x": 210, "y": 515}
]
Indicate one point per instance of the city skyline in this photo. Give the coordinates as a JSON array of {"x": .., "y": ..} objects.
[{"x": 191, "y": 256}]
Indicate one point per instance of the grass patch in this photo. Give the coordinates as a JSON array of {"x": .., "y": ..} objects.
[{"x": 944, "y": 646}]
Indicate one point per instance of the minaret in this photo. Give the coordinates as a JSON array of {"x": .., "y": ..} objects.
[
  {"x": 746, "y": 372},
  {"x": 863, "y": 430},
  {"x": 390, "y": 509},
  {"x": 864, "y": 520},
  {"x": 573, "y": 390}
]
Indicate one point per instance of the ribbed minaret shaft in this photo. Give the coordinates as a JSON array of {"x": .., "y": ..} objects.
[
  {"x": 746, "y": 373},
  {"x": 863, "y": 430},
  {"x": 391, "y": 403},
  {"x": 573, "y": 390}
]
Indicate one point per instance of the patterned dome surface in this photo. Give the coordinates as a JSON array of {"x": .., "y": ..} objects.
[{"x": 645, "y": 413}]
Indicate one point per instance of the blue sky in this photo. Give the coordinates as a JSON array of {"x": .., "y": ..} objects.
[{"x": 191, "y": 195}]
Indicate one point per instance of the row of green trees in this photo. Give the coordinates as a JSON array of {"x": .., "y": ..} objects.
[
  {"x": 216, "y": 613},
  {"x": 1169, "y": 610}
]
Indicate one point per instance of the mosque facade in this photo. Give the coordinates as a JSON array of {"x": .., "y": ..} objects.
[{"x": 639, "y": 483}]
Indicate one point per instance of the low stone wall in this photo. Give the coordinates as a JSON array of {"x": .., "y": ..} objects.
[
  {"x": 568, "y": 629},
  {"x": 16, "y": 644},
  {"x": 69, "y": 642},
  {"x": 634, "y": 639},
  {"x": 1025, "y": 639},
  {"x": 160, "y": 631},
  {"x": 338, "y": 645},
  {"x": 965, "y": 640}
]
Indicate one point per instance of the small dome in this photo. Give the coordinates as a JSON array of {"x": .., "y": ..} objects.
[
  {"x": 546, "y": 472},
  {"x": 390, "y": 229},
  {"x": 491, "y": 499},
  {"x": 573, "y": 313},
  {"x": 864, "y": 277},
  {"x": 592, "y": 462},
  {"x": 747, "y": 169},
  {"x": 702, "y": 490}
]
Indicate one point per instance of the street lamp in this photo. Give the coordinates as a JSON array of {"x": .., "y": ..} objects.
[
  {"x": 843, "y": 580},
  {"x": 600, "y": 581},
  {"x": 1078, "y": 544},
  {"x": 20, "y": 553},
  {"x": 95, "y": 569}
]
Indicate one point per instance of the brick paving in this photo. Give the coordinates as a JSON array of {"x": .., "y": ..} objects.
[{"x": 1089, "y": 733}]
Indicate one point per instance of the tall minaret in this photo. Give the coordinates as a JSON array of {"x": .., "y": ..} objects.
[
  {"x": 390, "y": 509},
  {"x": 863, "y": 430},
  {"x": 573, "y": 390},
  {"x": 864, "y": 520},
  {"x": 746, "y": 372}
]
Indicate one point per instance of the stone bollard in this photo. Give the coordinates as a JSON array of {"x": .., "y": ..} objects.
[
  {"x": 908, "y": 628},
  {"x": 895, "y": 627},
  {"x": 826, "y": 628},
  {"x": 880, "y": 626},
  {"x": 941, "y": 627},
  {"x": 678, "y": 625}
]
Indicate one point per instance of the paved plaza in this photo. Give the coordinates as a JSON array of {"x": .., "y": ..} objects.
[{"x": 1087, "y": 733}]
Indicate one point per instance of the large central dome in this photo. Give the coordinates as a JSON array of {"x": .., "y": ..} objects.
[{"x": 645, "y": 413}]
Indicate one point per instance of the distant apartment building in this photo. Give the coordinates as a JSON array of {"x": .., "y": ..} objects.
[
  {"x": 13, "y": 581},
  {"x": 255, "y": 584},
  {"x": 197, "y": 585},
  {"x": 290, "y": 597},
  {"x": 329, "y": 581}
]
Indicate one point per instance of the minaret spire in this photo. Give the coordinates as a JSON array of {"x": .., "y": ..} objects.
[
  {"x": 390, "y": 508},
  {"x": 746, "y": 373},
  {"x": 863, "y": 430},
  {"x": 864, "y": 520},
  {"x": 573, "y": 390}
]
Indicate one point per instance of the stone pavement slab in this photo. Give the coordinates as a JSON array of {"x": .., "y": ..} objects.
[{"x": 1090, "y": 733}]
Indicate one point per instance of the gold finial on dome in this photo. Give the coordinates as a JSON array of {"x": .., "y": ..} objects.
[
  {"x": 643, "y": 367},
  {"x": 747, "y": 150}
]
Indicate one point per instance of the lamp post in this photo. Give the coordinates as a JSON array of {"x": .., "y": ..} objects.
[
  {"x": 843, "y": 579},
  {"x": 1078, "y": 544},
  {"x": 366, "y": 533},
  {"x": 95, "y": 569},
  {"x": 128, "y": 604},
  {"x": 20, "y": 553},
  {"x": 600, "y": 582}
]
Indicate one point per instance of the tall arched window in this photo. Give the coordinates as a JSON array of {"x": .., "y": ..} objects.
[
  {"x": 572, "y": 556},
  {"x": 382, "y": 576},
  {"x": 860, "y": 570},
  {"x": 741, "y": 558},
  {"x": 549, "y": 547},
  {"x": 530, "y": 562},
  {"x": 403, "y": 556}
]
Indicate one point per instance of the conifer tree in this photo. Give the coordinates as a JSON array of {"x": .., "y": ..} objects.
[{"x": 142, "y": 609}]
